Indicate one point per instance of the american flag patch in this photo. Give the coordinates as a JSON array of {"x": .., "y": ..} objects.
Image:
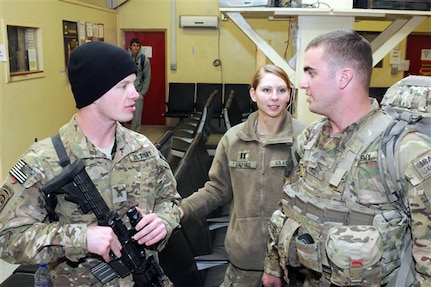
[{"x": 21, "y": 171}]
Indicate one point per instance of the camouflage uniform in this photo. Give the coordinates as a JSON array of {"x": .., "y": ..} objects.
[
  {"x": 137, "y": 175},
  {"x": 335, "y": 222}
]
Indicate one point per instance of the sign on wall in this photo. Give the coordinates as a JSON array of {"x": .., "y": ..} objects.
[
  {"x": 80, "y": 32},
  {"x": 70, "y": 39}
]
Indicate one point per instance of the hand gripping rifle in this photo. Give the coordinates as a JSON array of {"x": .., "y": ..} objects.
[{"x": 78, "y": 187}]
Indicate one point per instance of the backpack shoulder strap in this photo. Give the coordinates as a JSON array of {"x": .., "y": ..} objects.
[
  {"x": 142, "y": 61},
  {"x": 402, "y": 124},
  {"x": 404, "y": 275},
  {"x": 388, "y": 147}
]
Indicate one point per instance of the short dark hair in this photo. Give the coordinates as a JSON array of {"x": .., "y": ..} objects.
[
  {"x": 346, "y": 48},
  {"x": 134, "y": 40}
]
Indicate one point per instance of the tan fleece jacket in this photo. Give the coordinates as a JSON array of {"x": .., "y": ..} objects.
[{"x": 250, "y": 171}]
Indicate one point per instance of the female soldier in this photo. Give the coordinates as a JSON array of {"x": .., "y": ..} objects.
[{"x": 249, "y": 168}]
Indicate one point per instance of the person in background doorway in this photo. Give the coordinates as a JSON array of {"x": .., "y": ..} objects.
[
  {"x": 248, "y": 172},
  {"x": 125, "y": 167},
  {"x": 142, "y": 82}
]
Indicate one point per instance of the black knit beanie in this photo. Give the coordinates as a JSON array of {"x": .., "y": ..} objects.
[{"x": 94, "y": 68}]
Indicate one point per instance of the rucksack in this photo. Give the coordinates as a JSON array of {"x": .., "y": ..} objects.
[
  {"x": 409, "y": 103},
  {"x": 411, "y": 95}
]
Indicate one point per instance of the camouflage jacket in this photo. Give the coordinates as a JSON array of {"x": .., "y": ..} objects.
[
  {"x": 354, "y": 197},
  {"x": 137, "y": 175},
  {"x": 249, "y": 170}
]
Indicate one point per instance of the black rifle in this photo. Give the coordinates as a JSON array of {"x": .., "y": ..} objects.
[{"x": 78, "y": 187}]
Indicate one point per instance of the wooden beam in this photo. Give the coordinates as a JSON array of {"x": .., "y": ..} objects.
[{"x": 260, "y": 43}]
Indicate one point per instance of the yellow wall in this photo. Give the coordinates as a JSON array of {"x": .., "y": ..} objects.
[
  {"x": 36, "y": 108},
  {"x": 196, "y": 49}
]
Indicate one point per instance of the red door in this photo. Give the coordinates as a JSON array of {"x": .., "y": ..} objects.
[
  {"x": 154, "y": 100},
  {"x": 419, "y": 63}
]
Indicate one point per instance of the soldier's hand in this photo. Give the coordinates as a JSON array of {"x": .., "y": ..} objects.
[
  {"x": 151, "y": 229},
  {"x": 270, "y": 280},
  {"x": 101, "y": 240}
]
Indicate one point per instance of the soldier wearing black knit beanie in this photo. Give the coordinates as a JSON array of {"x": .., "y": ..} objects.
[
  {"x": 94, "y": 68},
  {"x": 42, "y": 214}
]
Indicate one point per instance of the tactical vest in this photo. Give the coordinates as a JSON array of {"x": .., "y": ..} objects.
[{"x": 327, "y": 229}]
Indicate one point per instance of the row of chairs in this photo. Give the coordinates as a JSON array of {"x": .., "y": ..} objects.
[
  {"x": 231, "y": 115},
  {"x": 173, "y": 143},
  {"x": 22, "y": 276},
  {"x": 193, "y": 250},
  {"x": 185, "y": 131},
  {"x": 187, "y": 98},
  {"x": 195, "y": 255}
]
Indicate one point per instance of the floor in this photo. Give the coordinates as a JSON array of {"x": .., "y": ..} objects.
[{"x": 153, "y": 132}]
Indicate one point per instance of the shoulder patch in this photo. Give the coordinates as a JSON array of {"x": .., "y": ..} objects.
[
  {"x": 5, "y": 194},
  {"x": 21, "y": 171},
  {"x": 423, "y": 165}
]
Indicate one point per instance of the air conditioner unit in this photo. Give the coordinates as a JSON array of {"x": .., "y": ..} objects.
[
  {"x": 199, "y": 22},
  {"x": 245, "y": 3}
]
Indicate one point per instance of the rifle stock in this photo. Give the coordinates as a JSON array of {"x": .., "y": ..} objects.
[{"x": 78, "y": 187}]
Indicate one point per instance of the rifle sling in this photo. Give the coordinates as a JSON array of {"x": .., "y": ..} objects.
[
  {"x": 61, "y": 151},
  {"x": 83, "y": 182}
]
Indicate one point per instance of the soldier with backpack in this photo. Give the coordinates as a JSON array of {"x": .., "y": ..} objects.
[
  {"x": 337, "y": 225},
  {"x": 142, "y": 82}
]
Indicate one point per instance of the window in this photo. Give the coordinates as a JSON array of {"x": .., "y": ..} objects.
[{"x": 25, "y": 57}]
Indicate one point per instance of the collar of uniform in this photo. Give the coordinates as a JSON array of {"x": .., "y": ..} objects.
[
  {"x": 365, "y": 118},
  {"x": 344, "y": 135},
  {"x": 125, "y": 143},
  {"x": 283, "y": 135}
]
